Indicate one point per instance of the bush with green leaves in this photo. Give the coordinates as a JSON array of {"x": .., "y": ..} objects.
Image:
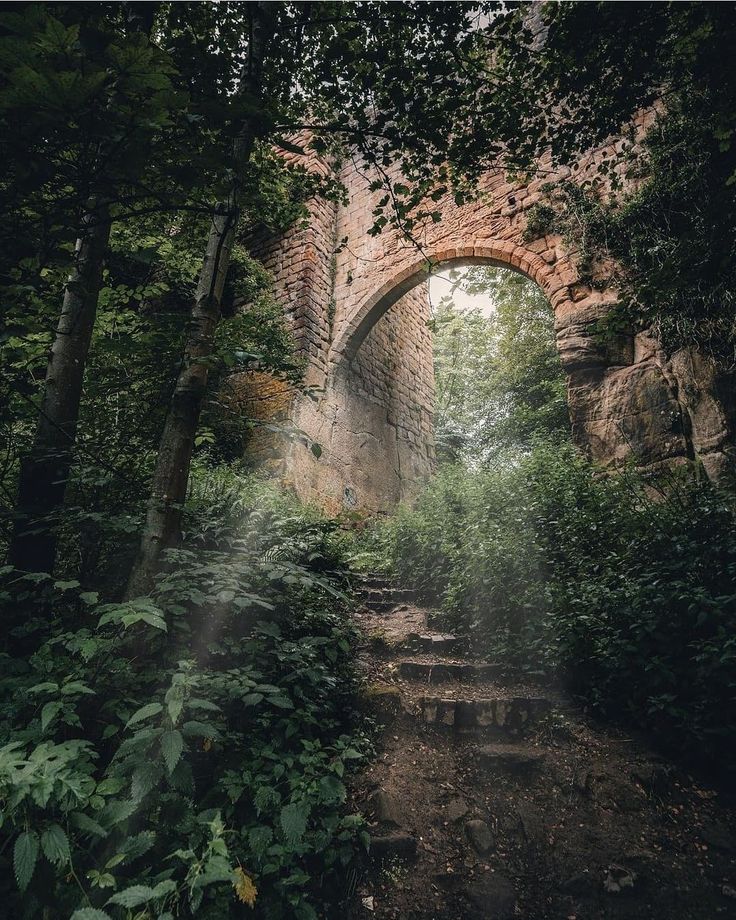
[
  {"x": 184, "y": 754},
  {"x": 625, "y": 584}
]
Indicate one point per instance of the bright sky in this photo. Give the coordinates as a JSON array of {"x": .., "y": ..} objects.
[{"x": 440, "y": 286}]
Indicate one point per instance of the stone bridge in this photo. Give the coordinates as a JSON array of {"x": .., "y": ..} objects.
[{"x": 358, "y": 306}]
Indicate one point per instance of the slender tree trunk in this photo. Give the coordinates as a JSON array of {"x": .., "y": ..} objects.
[
  {"x": 162, "y": 528},
  {"x": 45, "y": 470}
]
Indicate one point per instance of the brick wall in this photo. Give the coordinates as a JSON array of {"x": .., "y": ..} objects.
[
  {"x": 359, "y": 313},
  {"x": 373, "y": 421}
]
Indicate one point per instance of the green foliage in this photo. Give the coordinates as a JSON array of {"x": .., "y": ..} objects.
[
  {"x": 627, "y": 585},
  {"x": 134, "y": 357},
  {"x": 671, "y": 228},
  {"x": 499, "y": 381},
  {"x": 671, "y": 237},
  {"x": 179, "y": 752}
]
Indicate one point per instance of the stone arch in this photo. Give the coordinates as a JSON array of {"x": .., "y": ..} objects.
[
  {"x": 501, "y": 254},
  {"x": 353, "y": 301}
]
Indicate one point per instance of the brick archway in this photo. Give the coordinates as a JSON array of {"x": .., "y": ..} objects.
[
  {"x": 500, "y": 254},
  {"x": 354, "y": 302}
]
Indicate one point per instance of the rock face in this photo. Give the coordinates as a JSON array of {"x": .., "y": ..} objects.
[{"x": 359, "y": 312}]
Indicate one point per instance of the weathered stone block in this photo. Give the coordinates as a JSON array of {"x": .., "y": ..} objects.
[{"x": 510, "y": 758}]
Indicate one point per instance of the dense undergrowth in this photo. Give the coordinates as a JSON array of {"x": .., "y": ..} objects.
[
  {"x": 184, "y": 754},
  {"x": 630, "y": 592}
]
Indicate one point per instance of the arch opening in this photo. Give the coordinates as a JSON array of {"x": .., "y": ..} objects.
[
  {"x": 499, "y": 381},
  {"x": 354, "y": 328},
  {"x": 380, "y": 404}
]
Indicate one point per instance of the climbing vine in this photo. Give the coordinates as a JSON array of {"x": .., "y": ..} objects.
[{"x": 670, "y": 225}]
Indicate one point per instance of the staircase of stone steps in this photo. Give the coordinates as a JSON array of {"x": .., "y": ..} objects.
[
  {"x": 467, "y": 708},
  {"x": 380, "y": 595},
  {"x": 491, "y": 800}
]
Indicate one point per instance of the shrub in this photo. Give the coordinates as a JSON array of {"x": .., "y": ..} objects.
[
  {"x": 626, "y": 585},
  {"x": 184, "y": 754}
]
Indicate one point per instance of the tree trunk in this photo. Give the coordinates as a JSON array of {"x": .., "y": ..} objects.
[
  {"x": 162, "y": 528},
  {"x": 45, "y": 470}
]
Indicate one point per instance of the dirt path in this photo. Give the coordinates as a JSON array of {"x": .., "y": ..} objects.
[{"x": 493, "y": 799}]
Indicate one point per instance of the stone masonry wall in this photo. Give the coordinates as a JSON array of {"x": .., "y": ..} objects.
[
  {"x": 627, "y": 398},
  {"x": 359, "y": 313},
  {"x": 374, "y": 421},
  {"x": 301, "y": 264}
]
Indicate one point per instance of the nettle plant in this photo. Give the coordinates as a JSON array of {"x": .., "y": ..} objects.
[{"x": 184, "y": 754}]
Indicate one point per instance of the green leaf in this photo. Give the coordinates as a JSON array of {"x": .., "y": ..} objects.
[
  {"x": 175, "y": 702},
  {"x": 282, "y": 702},
  {"x": 168, "y": 886},
  {"x": 196, "y": 703},
  {"x": 289, "y": 146},
  {"x": 140, "y": 609},
  {"x": 135, "y": 847},
  {"x": 259, "y": 838},
  {"x": 172, "y": 745},
  {"x": 89, "y": 597},
  {"x": 133, "y": 896},
  {"x": 45, "y": 687},
  {"x": 55, "y": 845},
  {"x": 66, "y": 585},
  {"x": 90, "y": 913},
  {"x": 316, "y": 450},
  {"x": 49, "y": 713},
  {"x": 76, "y": 686},
  {"x": 117, "y": 811},
  {"x": 145, "y": 712},
  {"x": 87, "y": 825},
  {"x": 110, "y": 785},
  {"x": 200, "y": 730},
  {"x": 333, "y": 791},
  {"x": 144, "y": 778},
  {"x": 25, "y": 855},
  {"x": 294, "y": 820},
  {"x": 263, "y": 797}
]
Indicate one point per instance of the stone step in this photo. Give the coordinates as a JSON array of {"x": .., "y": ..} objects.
[
  {"x": 398, "y": 845},
  {"x": 513, "y": 759},
  {"x": 374, "y": 581},
  {"x": 439, "y": 672},
  {"x": 440, "y": 643},
  {"x": 382, "y": 600},
  {"x": 381, "y": 607},
  {"x": 397, "y": 594},
  {"x": 503, "y": 716}
]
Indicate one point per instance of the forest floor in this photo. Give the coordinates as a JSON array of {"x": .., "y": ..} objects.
[{"x": 495, "y": 799}]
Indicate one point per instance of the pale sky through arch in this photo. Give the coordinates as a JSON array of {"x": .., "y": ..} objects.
[{"x": 440, "y": 285}]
